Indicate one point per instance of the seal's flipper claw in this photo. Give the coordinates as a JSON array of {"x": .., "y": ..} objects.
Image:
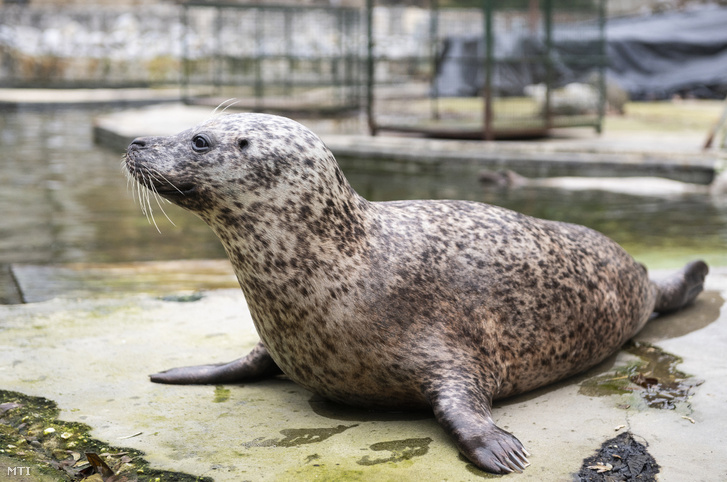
[
  {"x": 494, "y": 451},
  {"x": 256, "y": 365}
]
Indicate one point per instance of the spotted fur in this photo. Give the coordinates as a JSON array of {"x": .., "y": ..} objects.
[{"x": 448, "y": 304}]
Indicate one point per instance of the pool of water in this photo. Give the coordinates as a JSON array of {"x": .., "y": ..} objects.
[{"x": 65, "y": 199}]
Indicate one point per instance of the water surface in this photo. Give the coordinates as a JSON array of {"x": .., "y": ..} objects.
[{"x": 65, "y": 199}]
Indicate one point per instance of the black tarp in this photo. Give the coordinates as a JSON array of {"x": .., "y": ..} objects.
[
  {"x": 651, "y": 57},
  {"x": 683, "y": 52}
]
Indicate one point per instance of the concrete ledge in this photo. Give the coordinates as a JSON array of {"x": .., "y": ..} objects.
[
  {"x": 578, "y": 156},
  {"x": 37, "y": 99}
]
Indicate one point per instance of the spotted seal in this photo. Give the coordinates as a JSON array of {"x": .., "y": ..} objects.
[
  {"x": 635, "y": 186},
  {"x": 404, "y": 304}
]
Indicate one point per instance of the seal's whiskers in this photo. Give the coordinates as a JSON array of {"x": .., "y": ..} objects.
[
  {"x": 227, "y": 103},
  {"x": 144, "y": 177},
  {"x": 156, "y": 175}
]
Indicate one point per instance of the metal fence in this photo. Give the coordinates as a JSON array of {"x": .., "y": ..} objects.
[
  {"x": 492, "y": 72},
  {"x": 274, "y": 57},
  {"x": 489, "y": 72}
]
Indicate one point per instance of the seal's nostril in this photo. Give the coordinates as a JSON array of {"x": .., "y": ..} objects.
[{"x": 139, "y": 142}]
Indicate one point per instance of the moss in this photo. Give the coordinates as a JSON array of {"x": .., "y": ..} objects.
[
  {"x": 222, "y": 394},
  {"x": 32, "y": 436},
  {"x": 400, "y": 450}
]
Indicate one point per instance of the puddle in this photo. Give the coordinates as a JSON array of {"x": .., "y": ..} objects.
[
  {"x": 620, "y": 458},
  {"x": 653, "y": 377},
  {"x": 32, "y": 437},
  {"x": 704, "y": 311},
  {"x": 400, "y": 450},
  {"x": 294, "y": 437}
]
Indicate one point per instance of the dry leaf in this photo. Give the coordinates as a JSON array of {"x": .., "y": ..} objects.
[
  {"x": 99, "y": 464},
  {"x": 600, "y": 468}
]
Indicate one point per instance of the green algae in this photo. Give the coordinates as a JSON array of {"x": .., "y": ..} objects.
[
  {"x": 31, "y": 436},
  {"x": 400, "y": 450},
  {"x": 333, "y": 473},
  {"x": 653, "y": 377},
  {"x": 222, "y": 394}
]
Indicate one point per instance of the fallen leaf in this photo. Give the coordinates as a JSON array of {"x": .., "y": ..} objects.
[
  {"x": 636, "y": 464},
  {"x": 600, "y": 468},
  {"x": 99, "y": 464},
  {"x": 7, "y": 406},
  {"x": 94, "y": 478},
  {"x": 644, "y": 381}
]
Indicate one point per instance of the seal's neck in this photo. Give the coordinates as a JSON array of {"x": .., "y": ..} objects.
[{"x": 281, "y": 241}]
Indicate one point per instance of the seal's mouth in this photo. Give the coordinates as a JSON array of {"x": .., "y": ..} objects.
[{"x": 172, "y": 191}]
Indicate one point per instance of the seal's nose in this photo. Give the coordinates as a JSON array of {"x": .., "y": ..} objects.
[{"x": 139, "y": 142}]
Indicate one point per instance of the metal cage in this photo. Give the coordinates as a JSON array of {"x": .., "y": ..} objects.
[
  {"x": 273, "y": 57},
  {"x": 496, "y": 71}
]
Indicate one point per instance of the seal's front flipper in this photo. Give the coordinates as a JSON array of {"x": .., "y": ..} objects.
[
  {"x": 680, "y": 289},
  {"x": 465, "y": 414},
  {"x": 256, "y": 365}
]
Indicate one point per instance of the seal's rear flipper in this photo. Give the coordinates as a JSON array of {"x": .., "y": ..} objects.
[
  {"x": 256, "y": 365},
  {"x": 464, "y": 413},
  {"x": 680, "y": 289}
]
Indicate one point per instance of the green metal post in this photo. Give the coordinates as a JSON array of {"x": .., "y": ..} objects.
[
  {"x": 489, "y": 131},
  {"x": 602, "y": 61},
  {"x": 548, "y": 15},
  {"x": 185, "y": 54},
  {"x": 288, "y": 22},
  {"x": 258, "y": 58},
  {"x": 433, "y": 51},
  {"x": 219, "y": 55},
  {"x": 370, "y": 67}
]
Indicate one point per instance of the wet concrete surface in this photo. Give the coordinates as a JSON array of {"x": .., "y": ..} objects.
[{"x": 90, "y": 349}]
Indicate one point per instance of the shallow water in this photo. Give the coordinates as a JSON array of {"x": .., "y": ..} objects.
[{"x": 65, "y": 199}]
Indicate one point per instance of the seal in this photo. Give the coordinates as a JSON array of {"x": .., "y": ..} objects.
[
  {"x": 634, "y": 186},
  {"x": 403, "y": 304}
]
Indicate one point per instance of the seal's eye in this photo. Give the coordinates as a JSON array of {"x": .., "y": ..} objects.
[
  {"x": 201, "y": 143},
  {"x": 243, "y": 143}
]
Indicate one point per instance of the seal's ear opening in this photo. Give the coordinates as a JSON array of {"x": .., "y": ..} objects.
[{"x": 243, "y": 143}]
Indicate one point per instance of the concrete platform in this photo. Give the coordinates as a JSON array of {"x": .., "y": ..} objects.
[
  {"x": 576, "y": 152},
  {"x": 91, "y": 345},
  {"x": 89, "y": 98}
]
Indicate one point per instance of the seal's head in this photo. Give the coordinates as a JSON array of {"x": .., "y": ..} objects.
[{"x": 234, "y": 160}]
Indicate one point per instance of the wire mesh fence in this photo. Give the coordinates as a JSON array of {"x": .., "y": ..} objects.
[{"x": 274, "y": 57}]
